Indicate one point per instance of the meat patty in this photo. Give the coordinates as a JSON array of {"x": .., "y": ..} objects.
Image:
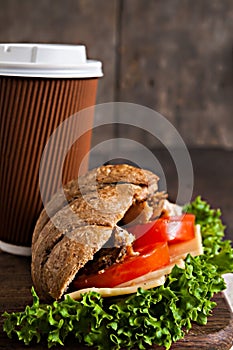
[{"x": 115, "y": 250}]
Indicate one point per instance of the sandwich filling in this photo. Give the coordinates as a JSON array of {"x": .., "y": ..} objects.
[
  {"x": 121, "y": 229},
  {"x": 143, "y": 258}
]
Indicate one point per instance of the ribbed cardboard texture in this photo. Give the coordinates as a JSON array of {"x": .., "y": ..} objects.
[{"x": 30, "y": 110}]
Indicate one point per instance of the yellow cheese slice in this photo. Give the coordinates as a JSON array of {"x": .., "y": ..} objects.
[
  {"x": 194, "y": 247},
  {"x": 111, "y": 292}
]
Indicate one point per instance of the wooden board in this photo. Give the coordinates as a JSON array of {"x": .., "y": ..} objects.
[
  {"x": 15, "y": 286},
  {"x": 217, "y": 334}
]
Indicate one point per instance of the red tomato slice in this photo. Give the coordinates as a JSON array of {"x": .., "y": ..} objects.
[
  {"x": 180, "y": 228},
  {"x": 150, "y": 258},
  {"x": 172, "y": 229}
]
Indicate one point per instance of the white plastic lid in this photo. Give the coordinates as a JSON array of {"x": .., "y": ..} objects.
[{"x": 47, "y": 60}]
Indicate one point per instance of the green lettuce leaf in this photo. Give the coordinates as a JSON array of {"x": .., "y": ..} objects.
[
  {"x": 160, "y": 315},
  {"x": 218, "y": 251}
]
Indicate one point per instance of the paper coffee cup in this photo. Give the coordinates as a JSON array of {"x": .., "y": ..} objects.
[{"x": 41, "y": 85}]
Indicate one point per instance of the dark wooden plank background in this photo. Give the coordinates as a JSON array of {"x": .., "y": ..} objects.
[{"x": 174, "y": 56}]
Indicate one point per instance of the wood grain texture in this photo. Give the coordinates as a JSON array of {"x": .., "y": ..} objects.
[
  {"x": 74, "y": 22},
  {"x": 174, "y": 56},
  {"x": 177, "y": 59}
]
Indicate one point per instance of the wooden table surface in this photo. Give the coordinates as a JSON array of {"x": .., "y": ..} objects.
[{"x": 213, "y": 170}]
